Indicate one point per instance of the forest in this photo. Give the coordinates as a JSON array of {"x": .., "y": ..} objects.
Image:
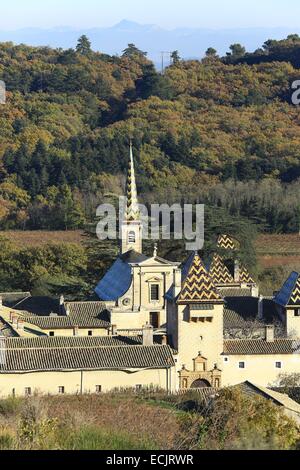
[{"x": 221, "y": 131}]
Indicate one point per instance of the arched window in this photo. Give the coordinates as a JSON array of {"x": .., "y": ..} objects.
[{"x": 131, "y": 237}]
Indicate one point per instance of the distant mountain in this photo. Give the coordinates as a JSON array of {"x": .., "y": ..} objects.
[{"x": 191, "y": 42}]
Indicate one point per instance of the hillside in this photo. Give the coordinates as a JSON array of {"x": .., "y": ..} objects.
[
  {"x": 113, "y": 422},
  {"x": 218, "y": 131}
]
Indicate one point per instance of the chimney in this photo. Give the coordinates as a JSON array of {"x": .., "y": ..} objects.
[
  {"x": 76, "y": 330},
  {"x": 61, "y": 301},
  {"x": 148, "y": 335},
  {"x": 114, "y": 331},
  {"x": 177, "y": 282},
  {"x": 254, "y": 291},
  {"x": 236, "y": 271},
  {"x": 14, "y": 320},
  {"x": 270, "y": 333},
  {"x": 20, "y": 324},
  {"x": 164, "y": 340},
  {"x": 260, "y": 313}
]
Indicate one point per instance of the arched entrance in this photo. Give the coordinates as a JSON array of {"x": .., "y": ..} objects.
[{"x": 201, "y": 383}]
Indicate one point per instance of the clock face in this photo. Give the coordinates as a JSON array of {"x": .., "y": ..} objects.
[{"x": 126, "y": 301}]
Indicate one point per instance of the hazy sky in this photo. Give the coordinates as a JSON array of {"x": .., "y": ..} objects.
[{"x": 168, "y": 13}]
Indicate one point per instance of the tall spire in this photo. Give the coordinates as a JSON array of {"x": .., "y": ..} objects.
[
  {"x": 131, "y": 230},
  {"x": 132, "y": 209}
]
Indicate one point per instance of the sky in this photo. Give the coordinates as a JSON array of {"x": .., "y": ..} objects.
[{"x": 218, "y": 14}]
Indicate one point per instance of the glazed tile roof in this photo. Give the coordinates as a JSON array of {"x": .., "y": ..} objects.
[
  {"x": 260, "y": 347},
  {"x": 289, "y": 294},
  {"x": 219, "y": 272},
  {"x": 245, "y": 276},
  {"x": 87, "y": 358},
  {"x": 116, "y": 281},
  {"x": 198, "y": 285},
  {"x": 227, "y": 243},
  {"x": 132, "y": 209},
  {"x": 81, "y": 314}
]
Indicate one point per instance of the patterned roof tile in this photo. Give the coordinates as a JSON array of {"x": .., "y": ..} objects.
[
  {"x": 219, "y": 272},
  {"x": 198, "y": 286}
]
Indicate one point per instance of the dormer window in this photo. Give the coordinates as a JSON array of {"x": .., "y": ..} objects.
[{"x": 131, "y": 237}]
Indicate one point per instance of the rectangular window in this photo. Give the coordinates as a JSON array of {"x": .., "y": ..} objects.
[
  {"x": 90, "y": 333},
  {"x": 98, "y": 388},
  {"x": 278, "y": 365},
  {"x": 154, "y": 319},
  {"x": 242, "y": 365},
  {"x": 27, "y": 391},
  {"x": 51, "y": 333},
  {"x": 297, "y": 312},
  {"x": 138, "y": 387},
  {"x": 154, "y": 292},
  {"x": 61, "y": 390}
]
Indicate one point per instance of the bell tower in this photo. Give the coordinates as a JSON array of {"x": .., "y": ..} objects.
[{"x": 131, "y": 229}]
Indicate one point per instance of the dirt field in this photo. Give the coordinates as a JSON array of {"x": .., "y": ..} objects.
[
  {"x": 272, "y": 250},
  {"x": 38, "y": 238},
  {"x": 279, "y": 251}
]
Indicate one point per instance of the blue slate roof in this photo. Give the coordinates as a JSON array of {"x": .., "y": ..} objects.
[
  {"x": 284, "y": 295},
  {"x": 116, "y": 282}
]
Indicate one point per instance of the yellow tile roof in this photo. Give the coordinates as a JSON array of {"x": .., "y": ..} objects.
[
  {"x": 198, "y": 285},
  {"x": 219, "y": 272}
]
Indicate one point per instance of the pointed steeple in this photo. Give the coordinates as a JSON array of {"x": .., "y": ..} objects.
[
  {"x": 198, "y": 286},
  {"x": 131, "y": 236},
  {"x": 132, "y": 209},
  {"x": 219, "y": 272}
]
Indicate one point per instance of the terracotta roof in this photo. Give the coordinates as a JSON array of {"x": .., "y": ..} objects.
[
  {"x": 87, "y": 358},
  {"x": 235, "y": 292},
  {"x": 58, "y": 342},
  {"x": 219, "y": 272},
  {"x": 261, "y": 347},
  {"x": 227, "y": 243},
  {"x": 277, "y": 398},
  {"x": 6, "y": 330},
  {"x": 81, "y": 314},
  {"x": 198, "y": 285}
]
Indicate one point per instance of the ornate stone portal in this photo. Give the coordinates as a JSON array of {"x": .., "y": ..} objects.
[{"x": 200, "y": 377}]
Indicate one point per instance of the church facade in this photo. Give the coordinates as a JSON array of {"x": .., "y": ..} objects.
[{"x": 154, "y": 323}]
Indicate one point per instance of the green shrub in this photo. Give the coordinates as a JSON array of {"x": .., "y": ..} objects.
[{"x": 93, "y": 438}]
